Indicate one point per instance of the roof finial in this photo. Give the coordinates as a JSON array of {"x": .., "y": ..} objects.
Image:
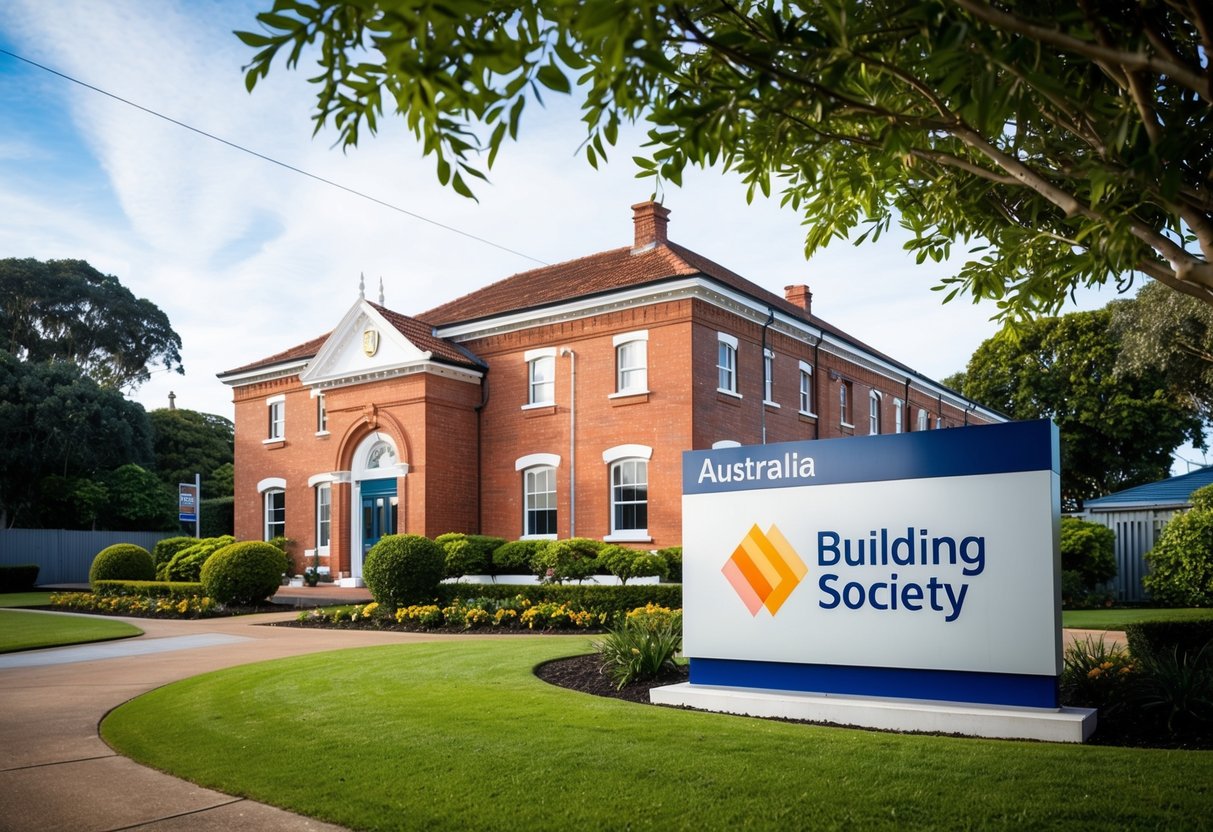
[
  {"x": 361, "y": 286},
  {"x": 381, "y": 291}
]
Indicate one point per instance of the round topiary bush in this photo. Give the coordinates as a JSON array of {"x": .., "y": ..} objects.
[
  {"x": 402, "y": 569},
  {"x": 122, "y": 562},
  {"x": 516, "y": 557},
  {"x": 574, "y": 559},
  {"x": 243, "y": 573}
]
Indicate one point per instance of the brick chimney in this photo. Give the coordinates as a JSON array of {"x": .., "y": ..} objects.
[
  {"x": 799, "y": 295},
  {"x": 650, "y": 220}
]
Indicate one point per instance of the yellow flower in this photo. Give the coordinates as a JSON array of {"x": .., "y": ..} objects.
[{"x": 1095, "y": 673}]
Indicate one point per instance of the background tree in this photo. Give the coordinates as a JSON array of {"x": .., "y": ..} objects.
[
  {"x": 65, "y": 310},
  {"x": 1116, "y": 431},
  {"x": 57, "y": 421},
  {"x": 187, "y": 442},
  {"x": 1169, "y": 334},
  {"x": 1069, "y": 143}
]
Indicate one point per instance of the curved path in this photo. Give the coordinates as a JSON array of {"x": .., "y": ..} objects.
[{"x": 57, "y": 774}]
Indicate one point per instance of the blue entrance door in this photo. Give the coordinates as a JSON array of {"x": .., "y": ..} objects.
[{"x": 379, "y": 508}]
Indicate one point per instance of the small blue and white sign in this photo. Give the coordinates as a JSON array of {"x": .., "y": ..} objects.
[{"x": 921, "y": 565}]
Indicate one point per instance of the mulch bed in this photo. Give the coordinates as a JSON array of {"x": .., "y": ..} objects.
[{"x": 585, "y": 674}]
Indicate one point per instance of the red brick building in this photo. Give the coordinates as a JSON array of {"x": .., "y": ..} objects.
[{"x": 554, "y": 403}]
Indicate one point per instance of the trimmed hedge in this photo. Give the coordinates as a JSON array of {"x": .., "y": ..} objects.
[
  {"x": 613, "y": 600},
  {"x": 516, "y": 557},
  {"x": 243, "y": 573},
  {"x": 574, "y": 559},
  {"x": 468, "y": 554},
  {"x": 218, "y": 516},
  {"x": 403, "y": 568},
  {"x": 186, "y": 565},
  {"x": 1169, "y": 639},
  {"x": 164, "y": 550},
  {"x": 149, "y": 589},
  {"x": 122, "y": 562},
  {"x": 673, "y": 563},
  {"x": 21, "y": 578}
]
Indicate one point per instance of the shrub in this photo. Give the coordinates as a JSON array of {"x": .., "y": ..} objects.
[
  {"x": 122, "y": 562},
  {"x": 673, "y": 563},
  {"x": 1181, "y": 562},
  {"x": 186, "y": 565},
  {"x": 243, "y": 573},
  {"x": 193, "y": 606},
  {"x": 149, "y": 589},
  {"x": 1164, "y": 638},
  {"x": 612, "y": 601},
  {"x": 574, "y": 559},
  {"x": 468, "y": 554},
  {"x": 516, "y": 557},
  {"x": 218, "y": 516},
  {"x": 20, "y": 578},
  {"x": 639, "y": 649},
  {"x": 1096, "y": 674},
  {"x": 164, "y": 550},
  {"x": 1173, "y": 694},
  {"x": 1088, "y": 550},
  {"x": 625, "y": 563},
  {"x": 403, "y": 568}
]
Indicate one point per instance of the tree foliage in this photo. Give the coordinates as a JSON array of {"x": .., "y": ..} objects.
[
  {"x": 1181, "y": 562},
  {"x": 58, "y": 422},
  {"x": 1116, "y": 431},
  {"x": 187, "y": 442},
  {"x": 1066, "y": 144},
  {"x": 1170, "y": 334},
  {"x": 65, "y": 310}
]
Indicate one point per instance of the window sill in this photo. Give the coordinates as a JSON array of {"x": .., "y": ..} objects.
[
  {"x": 775, "y": 405},
  {"x": 546, "y": 409},
  {"x": 323, "y": 433},
  {"x": 637, "y": 536},
  {"x": 538, "y": 537},
  {"x": 722, "y": 391},
  {"x": 623, "y": 399},
  {"x": 273, "y": 443},
  {"x": 623, "y": 394},
  {"x": 846, "y": 430},
  {"x": 806, "y": 414}
]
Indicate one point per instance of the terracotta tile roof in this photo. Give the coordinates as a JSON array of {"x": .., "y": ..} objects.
[
  {"x": 422, "y": 336},
  {"x": 308, "y": 349},
  {"x": 418, "y": 332},
  {"x": 611, "y": 271}
]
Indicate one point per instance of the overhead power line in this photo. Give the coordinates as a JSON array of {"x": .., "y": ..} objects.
[{"x": 277, "y": 162}]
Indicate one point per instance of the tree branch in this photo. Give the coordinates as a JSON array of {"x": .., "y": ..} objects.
[{"x": 1126, "y": 60}]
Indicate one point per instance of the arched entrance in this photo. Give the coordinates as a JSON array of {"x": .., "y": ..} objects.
[{"x": 375, "y": 504}]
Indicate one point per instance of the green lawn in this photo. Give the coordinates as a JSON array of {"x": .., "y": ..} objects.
[
  {"x": 25, "y": 599},
  {"x": 24, "y": 630},
  {"x": 1116, "y": 619},
  {"x": 462, "y": 735}
]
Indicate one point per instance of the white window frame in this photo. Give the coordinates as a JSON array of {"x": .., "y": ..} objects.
[
  {"x": 528, "y": 476},
  {"x": 534, "y": 360},
  {"x": 726, "y": 350},
  {"x": 616, "y": 468},
  {"x": 275, "y": 411},
  {"x": 875, "y": 422},
  {"x": 322, "y": 414},
  {"x": 267, "y": 525},
  {"x": 845, "y": 403},
  {"x": 806, "y": 390},
  {"x": 768, "y": 372},
  {"x": 898, "y": 416},
  {"x": 631, "y": 380},
  {"x": 923, "y": 419},
  {"x": 324, "y": 524}
]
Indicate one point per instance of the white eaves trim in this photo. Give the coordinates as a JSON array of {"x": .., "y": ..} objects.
[{"x": 274, "y": 371}]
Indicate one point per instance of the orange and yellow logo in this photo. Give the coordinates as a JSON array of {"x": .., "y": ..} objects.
[{"x": 764, "y": 569}]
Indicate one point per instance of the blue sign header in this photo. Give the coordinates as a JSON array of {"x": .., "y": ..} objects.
[{"x": 954, "y": 452}]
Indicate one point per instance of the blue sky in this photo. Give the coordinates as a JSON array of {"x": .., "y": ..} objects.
[{"x": 247, "y": 258}]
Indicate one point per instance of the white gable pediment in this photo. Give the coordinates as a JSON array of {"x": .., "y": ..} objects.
[{"x": 364, "y": 345}]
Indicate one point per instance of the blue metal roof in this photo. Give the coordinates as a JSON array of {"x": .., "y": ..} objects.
[{"x": 1173, "y": 491}]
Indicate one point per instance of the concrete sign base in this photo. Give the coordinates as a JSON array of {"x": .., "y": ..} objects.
[{"x": 1048, "y": 724}]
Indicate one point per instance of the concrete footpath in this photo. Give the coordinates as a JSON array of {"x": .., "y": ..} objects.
[
  {"x": 55, "y": 771},
  {"x": 57, "y": 774}
]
